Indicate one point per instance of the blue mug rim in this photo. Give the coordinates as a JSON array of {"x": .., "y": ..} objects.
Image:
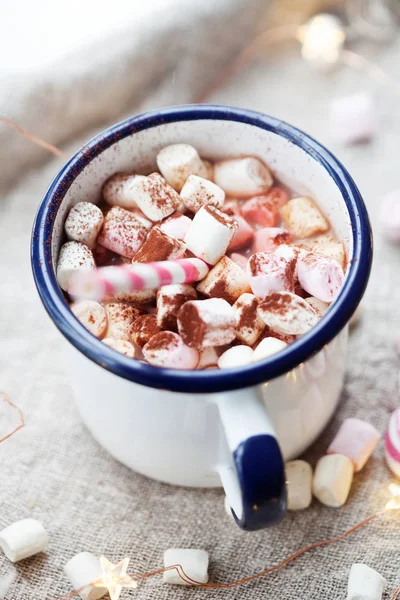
[{"x": 208, "y": 381}]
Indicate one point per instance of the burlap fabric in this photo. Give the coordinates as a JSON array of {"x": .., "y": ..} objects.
[{"x": 54, "y": 471}]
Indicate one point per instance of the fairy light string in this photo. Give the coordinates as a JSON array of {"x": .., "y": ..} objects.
[{"x": 6, "y": 400}]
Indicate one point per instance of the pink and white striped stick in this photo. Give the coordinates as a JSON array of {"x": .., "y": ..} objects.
[{"x": 110, "y": 281}]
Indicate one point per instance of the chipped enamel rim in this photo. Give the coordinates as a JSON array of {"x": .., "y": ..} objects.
[{"x": 210, "y": 380}]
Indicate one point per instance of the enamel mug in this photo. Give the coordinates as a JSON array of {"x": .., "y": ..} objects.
[{"x": 234, "y": 427}]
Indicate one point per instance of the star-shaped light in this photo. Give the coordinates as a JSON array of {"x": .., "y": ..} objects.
[
  {"x": 394, "y": 503},
  {"x": 115, "y": 577},
  {"x": 321, "y": 39}
]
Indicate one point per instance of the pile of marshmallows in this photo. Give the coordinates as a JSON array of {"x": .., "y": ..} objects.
[{"x": 255, "y": 302}]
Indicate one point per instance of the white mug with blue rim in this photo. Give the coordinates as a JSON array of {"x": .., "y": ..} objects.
[{"x": 204, "y": 428}]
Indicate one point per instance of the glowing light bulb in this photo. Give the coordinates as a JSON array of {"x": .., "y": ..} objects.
[
  {"x": 114, "y": 577},
  {"x": 394, "y": 503},
  {"x": 322, "y": 38}
]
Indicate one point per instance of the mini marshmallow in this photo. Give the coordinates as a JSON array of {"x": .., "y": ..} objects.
[
  {"x": 178, "y": 161},
  {"x": 303, "y": 218},
  {"x": 176, "y": 225},
  {"x": 332, "y": 480},
  {"x": 159, "y": 246},
  {"x": 290, "y": 254},
  {"x": 120, "y": 315},
  {"x": 299, "y": 484},
  {"x": 267, "y": 347},
  {"x": 320, "y": 276},
  {"x": 198, "y": 192},
  {"x": 248, "y": 323},
  {"x": 210, "y": 169},
  {"x": 226, "y": 280},
  {"x": 392, "y": 443},
  {"x": 83, "y": 570},
  {"x": 117, "y": 190},
  {"x": 327, "y": 245},
  {"x": 73, "y": 257},
  {"x": 243, "y": 177},
  {"x": 210, "y": 234},
  {"x": 203, "y": 323},
  {"x": 243, "y": 235},
  {"x": 239, "y": 259},
  {"x": 122, "y": 346},
  {"x": 83, "y": 223},
  {"x": 357, "y": 440},
  {"x": 389, "y": 216},
  {"x": 142, "y": 218},
  {"x": 287, "y": 313},
  {"x": 155, "y": 197},
  {"x": 193, "y": 562},
  {"x": 143, "y": 328},
  {"x": 364, "y": 583},
  {"x": 142, "y": 297},
  {"x": 237, "y": 356},
  {"x": 318, "y": 305},
  {"x": 169, "y": 300},
  {"x": 167, "y": 349},
  {"x": 23, "y": 539},
  {"x": 353, "y": 118},
  {"x": 232, "y": 208},
  {"x": 122, "y": 232},
  {"x": 270, "y": 238},
  {"x": 268, "y": 273},
  {"x": 208, "y": 358},
  {"x": 92, "y": 315},
  {"x": 261, "y": 211}
]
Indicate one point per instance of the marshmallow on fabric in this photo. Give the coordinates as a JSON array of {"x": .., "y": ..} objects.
[
  {"x": 117, "y": 190},
  {"x": 169, "y": 300},
  {"x": 320, "y": 276},
  {"x": 332, "y": 480},
  {"x": 198, "y": 192},
  {"x": 299, "y": 484},
  {"x": 193, "y": 562},
  {"x": 318, "y": 305},
  {"x": 122, "y": 346},
  {"x": 270, "y": 238},
  {"x": 287, "y": 313},
  {"x": 143, "y": 328},
  {"x": 243, "y": 235},
  {"x": 261, "y": 211},
  {"x": 392, "y": 443},
  {"x": 159, "y": 246},
  {"x": 353, "y": 118},
  {"x": 208, "y": 358},
  {"x": 120, "y": 315},
  {"x": 176, "y": 225},
  {"x": 243, "y": 177},
  {"x": 389, "y": 216},
  {"x": 178, "y": 161},
  {"x": 23, "y": 539},
  {"x": 83, "y": 223},
  {"x": 203, "y": 323},
  {"x": 73, "y": 257},
  {"x": 167, "y": 349},
  {"x": 248, "y": 323},
  {"x": 92, "y": 315},
  {"x": 267, "y": 347},
  {"x": 327, "y": 245},
  {"x": 357, "y": 440},
  {"x": 237, "y": 356},
  {"x": 225, "y": 280},
  {"x": 268, "y": 273},
  {"x": 82, "y": 570},
  {"x": 364, "y": 583},
  {"x": 210, "y": 234},
  {"x": 122, "y": 232},
  {"x": 155, "y": 197},
  {"x": 303, "y": 218}
]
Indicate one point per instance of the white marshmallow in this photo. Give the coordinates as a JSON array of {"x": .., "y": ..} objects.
[
  {"x": 73, "y": 257},
  {"x": 120, "y": 316},
  {"x": 243, "y": 177},
  {"x": 83, "y": 223},
  {"x": 198, "y": 192},
  {"x": 318, "y": 305},
  {"x": 122, "y": 346},
  {"x": 204, "y": 323},
  {"x": 225, "y": 280},
  {"x": 332, "y": 479},
  {"x": 267, "y": 347},
  {"x": 178, "y": 161},
  {"x": 92, "y": 315},
  {"x": 122, "y": 232},
  {"x": 303, "y": 218},
  {"x": 176, "y": 226},
  {"x": 82, "y": 570},
  {"x": 269, "y": 273},
  {"x": 117, "y": 190},
  {"x": 287, "y": 314},
  {"x": 208, "y": 358},
  {"x": 237, "y": 356},
  {"x": 353, "y": 118},
  {"x": 23, "y": 539},
  {"x": 193, "y": 562},
  {"x": 210, "y": 234},
  {"x": 327, "y": 245},
  {"x": 364, "y": 583},
  {"x": 320, "y": 276},
  {"x": 248, "y": 323},
  {"x": 167, "y": 349},
  {"x": 155, "y": 197},
  {"x": 299, "y": 484},
  {"x": 169, "y": 300}
]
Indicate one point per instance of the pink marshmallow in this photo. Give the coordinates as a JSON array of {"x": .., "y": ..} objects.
[
  {"x": 320, "y": 276},
  {"x": 390, "y": 216},
  {"x": 357, "y": 440},
  {"x": 168, "y": 350},
  {"x": 269, "y": 273},
  {"x": 203, "y": 323},
  {"x": 122, "y": 232},
  {"x": 287, "y": 314},
  {"x": 269, "y": 238},
  {"x": 243, "y": 235},
  {"x": 262, "y": 211},
  {"x": 239, "y": 259},
  {"x": 176, "y": 225}
]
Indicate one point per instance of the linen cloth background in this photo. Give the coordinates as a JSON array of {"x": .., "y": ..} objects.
[{"x": 54, "y": 471}]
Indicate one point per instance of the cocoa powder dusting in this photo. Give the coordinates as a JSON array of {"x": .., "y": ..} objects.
[
  {"x": 248, "y": 314},
  {"x": 158, "y": 246},
  {"x": 162, "y": 341},
  {"x": 221, "y": 217},
  {"x": 191, "y": 327},
  {"x": 143, "y": 328}
]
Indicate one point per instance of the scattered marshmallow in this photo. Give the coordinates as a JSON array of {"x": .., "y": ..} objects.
[
  {"x": 193, "y": 562},
  {"x": 176, "y": 225},
  {"x": 320, "y": 276},
  {"x": 364, "y": 583},
  {"x": 270, "y": 238},
  {"x": 299, "y": 484},
  {"x": 237, "y": 356},
  {"x": 122, "y": 232},
  {"x": 357, "y": 440},
  {"x": 243, "y": 177},
  {"x": 169, "y": 300},
  {"x": 392, "y": 443},
  {"x": 155, "y": 197},
  {"x": 353, "y": 119},
  {"x": 208, "y": 358},
  {"x": 303, "y": 218},
  {"x": 248, "y": 323},
  {"x": 178, "y": 161},
  {"x": 120, "y": 315},
  {"x": 239, "y": 259},
  {"x": 198, "y": 192},
  {"x": 159, "y": 246},
  {"x": 210, "y": 234},
  {"x": 122, "y": 346},
  {"x": 318, "y": 305},
  {"x": 267, "y": 347},
  {"x": 203, "y": 323},
  {"x": 389, "y": 216},
  {"x": 225, "y": 280},
  {"x": 83, "y": 223},
  {"x": 143, "y": 328},
  {"x": 6, "y": 582},
  {"x": 117, "y": 190},
  {"x": 82, "y": 570},
  {"x": 23, "y": 539},
  {"x": 73, "y": 257},
  {"x": 92, "y": 315},
  {"x": 327, "y": 245},
  {"x": 332, "y": 480},
  {"x": 287, "y": 313},
  {"x": 261, "y": 211},
  {"x": 268, "y": 273},
  {"x": 243, "y": 235},
  {"x": 167, "y": 349}
]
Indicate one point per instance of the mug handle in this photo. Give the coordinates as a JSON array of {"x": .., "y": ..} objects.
[{"x": 252, "y": 469}]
